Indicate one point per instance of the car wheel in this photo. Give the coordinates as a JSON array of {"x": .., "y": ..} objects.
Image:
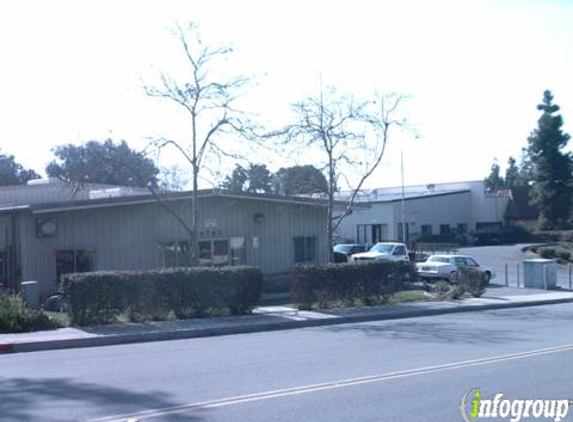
[
  {"x": 486, "y": 277},
  {"x": 452, "y": 278}
]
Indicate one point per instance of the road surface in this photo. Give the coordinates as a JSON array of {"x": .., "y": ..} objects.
[
  {"x": 405, "y": 370},
  {"x": 497, "y": 256}
]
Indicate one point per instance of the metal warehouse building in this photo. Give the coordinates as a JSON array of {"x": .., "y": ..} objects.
[
  {"x": 47, "y": 230},
  {"x": 435, "y": 209}
]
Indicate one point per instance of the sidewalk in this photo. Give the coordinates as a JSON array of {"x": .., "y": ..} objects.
[{"x": 269, "y": 318}]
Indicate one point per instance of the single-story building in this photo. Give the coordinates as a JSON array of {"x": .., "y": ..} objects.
[{"x": 114, "y": 230}]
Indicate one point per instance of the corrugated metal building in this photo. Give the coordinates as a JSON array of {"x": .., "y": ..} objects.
[
  {"x": 436, "y": 209},
  {"x": 40, "y": 241}
]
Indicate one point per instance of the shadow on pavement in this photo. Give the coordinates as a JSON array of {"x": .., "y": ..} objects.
[
  {"x": 56, "y": 399},
  {"x": 433, "y": 332}
]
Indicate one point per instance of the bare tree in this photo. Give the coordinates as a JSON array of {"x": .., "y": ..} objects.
[
  {"x": 210, "y": 101},
  {"x": 352, "y": 135}
]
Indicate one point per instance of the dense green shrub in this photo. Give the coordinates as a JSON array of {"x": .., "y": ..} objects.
[
  {"x": 346, "y": 284},
  {"x": 15, "y": 317},
  {"x": 105, "y": 296},
  {"x": 547, "y": 252},
  {"x": 442, "y": 286},
  {"x": 467, "y": 281}
]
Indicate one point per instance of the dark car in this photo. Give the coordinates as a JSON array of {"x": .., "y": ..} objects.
[{"x": 344, "y": 251}]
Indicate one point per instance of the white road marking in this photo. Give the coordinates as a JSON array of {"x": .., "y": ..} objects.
[{"x": 229, "y": 401}]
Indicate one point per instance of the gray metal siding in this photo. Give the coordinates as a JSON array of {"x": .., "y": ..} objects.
[{"x": 127, "y": 237}]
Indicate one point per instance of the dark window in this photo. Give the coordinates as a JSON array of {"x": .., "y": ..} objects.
[
  {"x": 222, "y": 252},
  {"x": 444, "y": 229},
  {"x": 73, "y": 261},
  {"x": 426, "y": 229},
  {"x": 494, "y": 226},
  {"x": 305, "y": 249},
  {"x": 399, "y": 251},
  {"x": 462, "y": 228}
]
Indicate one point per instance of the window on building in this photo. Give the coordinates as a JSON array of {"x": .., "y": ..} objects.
[
  {"x": 231, "y": 251},
  {"x": 238, "y": 251},
  {"x": 176, "y": 254},
  {"x": 444, "y": 229},
  {"x": 489, "y": 226},
  {"x": 305, "y": 249},
  {"x": 462, "y": 228},
  {"x": 74, "y": 261},
  {"x": 426, "y": 229}
]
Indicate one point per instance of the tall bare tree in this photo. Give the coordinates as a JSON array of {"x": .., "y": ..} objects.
[
  {"x": 351, "y": 135},
  {"x": 210, "y": 102}
]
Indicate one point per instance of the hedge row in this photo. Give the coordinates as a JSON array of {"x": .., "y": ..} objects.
[
  {"x": 363, "y": 283},
  {"x": 104, "y": 297}
]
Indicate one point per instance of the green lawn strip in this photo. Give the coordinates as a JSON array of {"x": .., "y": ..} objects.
[
  {"x": 60, "y": 318},
  {"x": 408, "y": 296}
]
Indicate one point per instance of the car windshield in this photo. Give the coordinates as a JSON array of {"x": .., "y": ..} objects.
[
  {"x": 381, "y": 248},
  {"x": 342, "y": 248},
  {"x": 438, "y": 259}
]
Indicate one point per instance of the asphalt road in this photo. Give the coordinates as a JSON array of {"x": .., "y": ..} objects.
[
  {"x": 496, "y": 257},
  {"x": 406, "y": 370}
]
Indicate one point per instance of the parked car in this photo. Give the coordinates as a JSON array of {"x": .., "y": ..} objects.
[
  {"x": 385, "y": 251},
  {"x": 444, "y": 266},
  {"x": 344, "y": 251}
]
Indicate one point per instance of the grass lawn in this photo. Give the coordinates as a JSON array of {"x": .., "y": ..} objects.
[
  {"x": 61, "y": 318},
  {"x": 408, "y": 296}
]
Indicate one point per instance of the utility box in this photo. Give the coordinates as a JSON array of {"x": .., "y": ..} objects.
[
  {"x": 31, "y": 293},
  {"x": 540, "y": 273}
]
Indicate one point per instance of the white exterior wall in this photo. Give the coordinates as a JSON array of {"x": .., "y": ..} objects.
[
  {"x": 378, "y": 213},
  {"x": 453, "y": 209}
]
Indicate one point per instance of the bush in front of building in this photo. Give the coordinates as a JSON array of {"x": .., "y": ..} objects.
[
  {"x": 106, "y": 297},
  {"x": 466, "y": 281},
  {"x": 349, "y": 284},
  {"x": 15, "y": 317}
]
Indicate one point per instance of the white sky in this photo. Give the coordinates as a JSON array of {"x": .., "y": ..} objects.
[{"x": 71, "y": 71}]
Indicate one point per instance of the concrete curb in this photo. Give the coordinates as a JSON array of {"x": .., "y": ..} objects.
[{"x": 118, "y": 339}]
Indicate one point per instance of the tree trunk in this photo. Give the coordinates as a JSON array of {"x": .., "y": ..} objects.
[
  {"x": 329, "y": 227},
  {"x": 194, "y": 220}
]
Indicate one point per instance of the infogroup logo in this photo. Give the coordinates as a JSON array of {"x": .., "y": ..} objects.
[{"x": 474, "y": 407}]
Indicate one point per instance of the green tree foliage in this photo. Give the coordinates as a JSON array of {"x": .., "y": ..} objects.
[
  {"x": 260, "y": 179},
  {"x": 102, "y": 162},
  {"x": 12, "y": 173},
  {"x": 512, "y": 176},
  {"x": 494, "y": 181},
  {"x": 256, "y": 178},
  {"x": 300, "y": 180},
  {"x": 552, "y": 190}
]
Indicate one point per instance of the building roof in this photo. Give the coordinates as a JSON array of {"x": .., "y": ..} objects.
[
  {"x": 519, "y": 207},
  {"x": 171, "y": 196},
  {"x": 378, "y": 196},
  {"x": 53, "y": 190}
]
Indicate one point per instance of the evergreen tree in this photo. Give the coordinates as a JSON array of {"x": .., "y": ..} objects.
[
  {"x": 494, "y": 181},
  {"x": 552, "y": 167},
  {"x": 512, "y": 177}
]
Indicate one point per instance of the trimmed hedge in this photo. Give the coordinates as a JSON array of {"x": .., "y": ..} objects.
[
  {"x": 176, "y": 293},
  {"x": 346, "y": 284}
]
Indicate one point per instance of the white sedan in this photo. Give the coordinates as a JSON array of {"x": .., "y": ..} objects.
[{"x": 444, "y": 266}]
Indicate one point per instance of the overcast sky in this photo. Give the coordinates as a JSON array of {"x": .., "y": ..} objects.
[{"x": 72, "y": 71}]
